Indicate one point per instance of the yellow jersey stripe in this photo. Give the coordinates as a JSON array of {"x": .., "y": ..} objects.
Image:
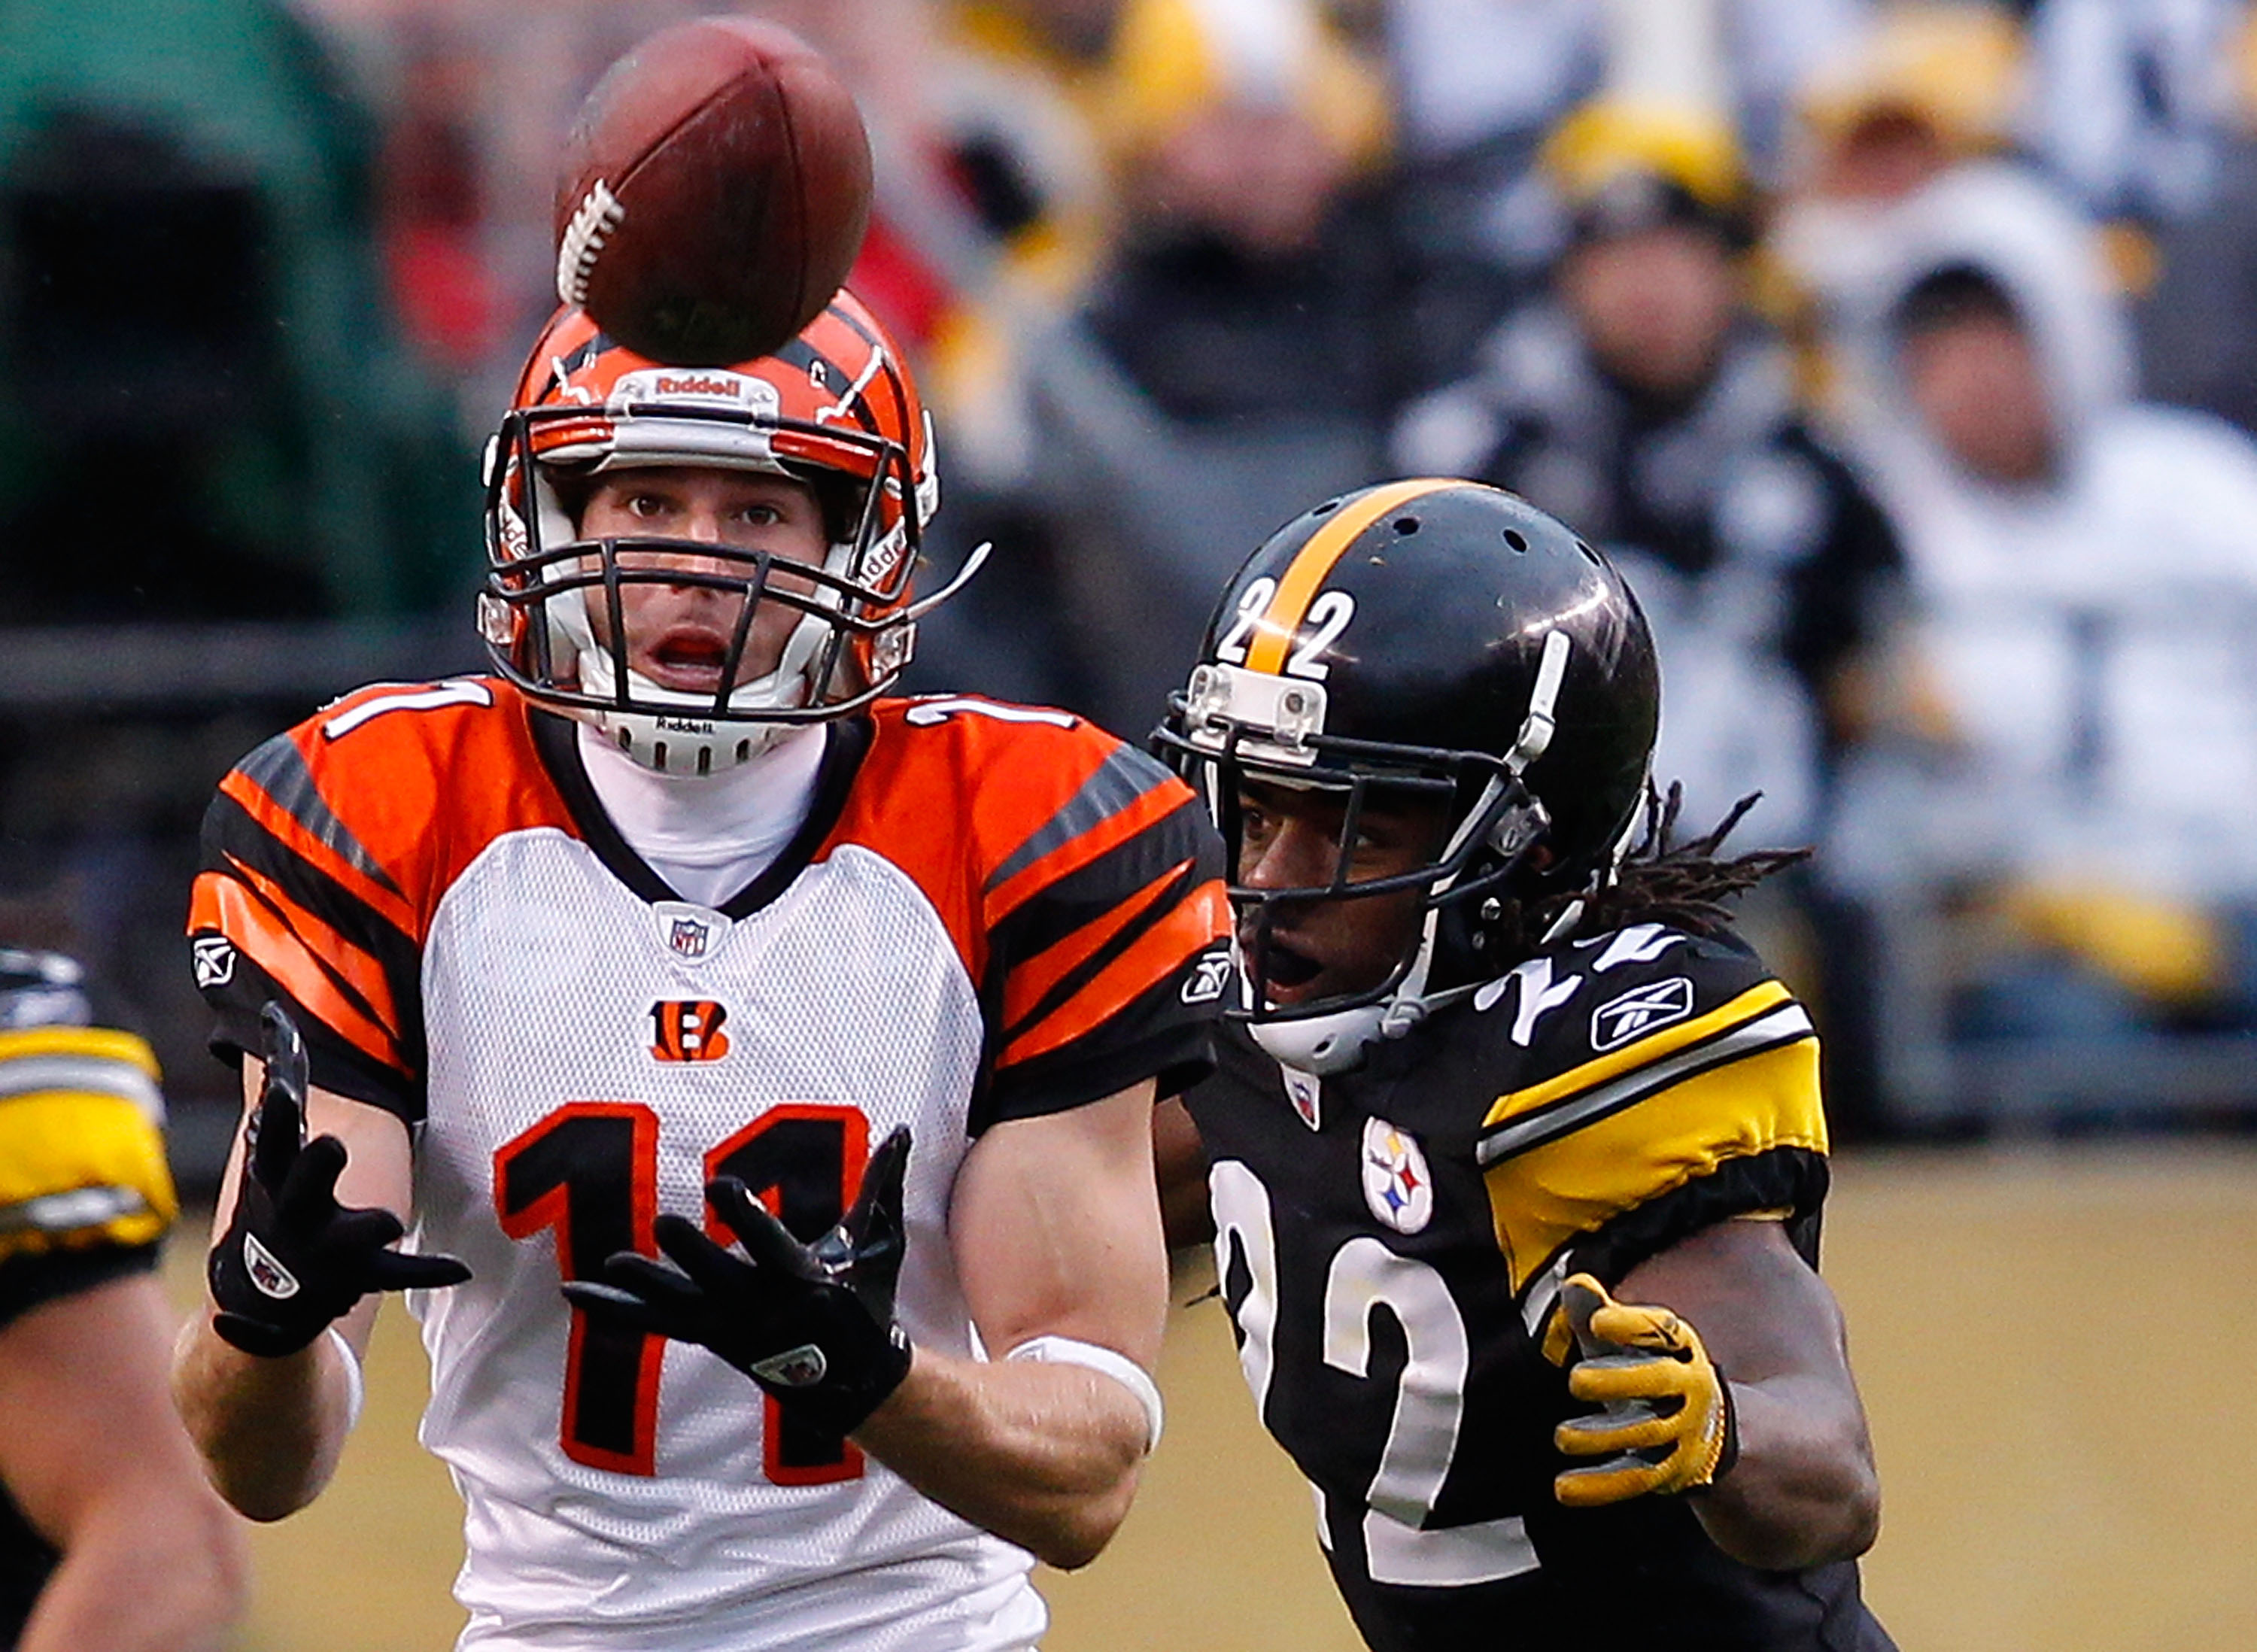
[
  {"x": 127, "y": 1230},
  {"x": 1765, "y": 996},
  {"x": 1289, "y": 606},
  {"x": 1545, "y": 1198},
  {"x": 101, "y": 1042},
  {"x": 1788, "y": 1024},
  {"x": 94, "y": 1160}
]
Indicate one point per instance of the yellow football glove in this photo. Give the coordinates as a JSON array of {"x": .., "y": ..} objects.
[{"x": 1667, "y": 1424}]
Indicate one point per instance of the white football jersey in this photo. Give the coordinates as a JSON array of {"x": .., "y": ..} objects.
[{"x": 990, "y": 914}]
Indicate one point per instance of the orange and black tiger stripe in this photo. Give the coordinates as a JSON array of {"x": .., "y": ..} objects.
[
  {"x": 1095, "y": 915},
  {"x": 1091, "y": 882},
  {"x": 325, "y": 853},
  {"x": 1101, "y": 937}
]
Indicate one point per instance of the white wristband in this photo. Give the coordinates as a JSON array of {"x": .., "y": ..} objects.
[
  {"x": 1065, "y": 1350},
  {"x": 356, "y": 1384}
]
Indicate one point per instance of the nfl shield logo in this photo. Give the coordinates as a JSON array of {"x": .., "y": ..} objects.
[{"x": 692, "y": 933}]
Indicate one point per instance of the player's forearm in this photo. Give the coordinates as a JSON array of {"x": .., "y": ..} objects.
[
  {"x": 270, "y": 1431},
  {"x": 1803, "y": 1490},
  {"x": 1045, "y": 1456},
  {"x": 159, "y": 1569}
]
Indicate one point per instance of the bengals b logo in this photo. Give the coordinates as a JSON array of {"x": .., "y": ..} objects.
[{"x": 688, "y": 1030}]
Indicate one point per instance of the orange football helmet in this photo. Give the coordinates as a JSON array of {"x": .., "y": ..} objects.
[{"x": 835, "y": 408}]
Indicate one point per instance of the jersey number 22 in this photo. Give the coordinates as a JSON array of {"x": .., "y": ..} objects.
[{"x": 1364, "y": 1277}]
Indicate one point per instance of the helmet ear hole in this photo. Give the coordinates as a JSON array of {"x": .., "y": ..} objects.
[
  {"x": 840, "y": 502},
  {"x": 571, "y": 490},
  {"x": 1459, "y": 944}
]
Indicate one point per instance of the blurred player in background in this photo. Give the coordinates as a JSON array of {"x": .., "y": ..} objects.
[
  {"x": 110, "y": 1539},
  {"x": 672, "y": 923},
  {"x": 1642, "y": 399},
  {"x": 1503, "y": 1094}
]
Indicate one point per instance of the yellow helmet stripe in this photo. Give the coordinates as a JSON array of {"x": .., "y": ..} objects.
[{"x": 1281, "y": 621}]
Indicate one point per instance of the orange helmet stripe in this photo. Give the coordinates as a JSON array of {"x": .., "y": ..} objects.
[{"x": 1312, "y": 565}]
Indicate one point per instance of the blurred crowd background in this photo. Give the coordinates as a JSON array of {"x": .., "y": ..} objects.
[{"x": 1905, "y": 355}]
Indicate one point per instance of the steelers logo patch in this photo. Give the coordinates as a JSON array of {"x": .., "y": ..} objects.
[{"x": 1395, "y": 1184}]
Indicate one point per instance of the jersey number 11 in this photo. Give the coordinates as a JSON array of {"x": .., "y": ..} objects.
[{"x": 589, "y": 1171}]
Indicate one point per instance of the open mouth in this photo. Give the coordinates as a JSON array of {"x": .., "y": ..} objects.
[
  {"x": 688, "y": 661},
  {"x": 1284, "y": 971}
]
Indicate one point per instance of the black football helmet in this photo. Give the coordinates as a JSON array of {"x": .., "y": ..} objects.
[{"x": 1438, "y": 637}]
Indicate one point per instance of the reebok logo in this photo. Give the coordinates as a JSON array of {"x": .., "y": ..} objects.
[
  {"x": 1640, "y": 1011},
  {"x": 214, "y": 956},
  {"x": 1210, "y": 974}
]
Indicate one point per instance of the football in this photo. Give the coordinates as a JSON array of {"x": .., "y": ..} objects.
[{"x": 713, "y": 193}]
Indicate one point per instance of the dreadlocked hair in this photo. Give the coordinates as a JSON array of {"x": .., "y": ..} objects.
[{"x": 1660, "y": 880}]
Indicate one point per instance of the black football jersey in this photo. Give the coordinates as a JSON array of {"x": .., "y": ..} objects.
[{"x": 1391, "y": 1242}]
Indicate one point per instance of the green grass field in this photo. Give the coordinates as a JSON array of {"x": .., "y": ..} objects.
[{"x": 2055, "y": 1347}]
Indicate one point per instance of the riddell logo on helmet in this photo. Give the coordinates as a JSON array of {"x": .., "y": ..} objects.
[
  {"x": 885, "y": 557},
  {"x": 706, "y": 386},
  {"x": 675, "y": 384}
]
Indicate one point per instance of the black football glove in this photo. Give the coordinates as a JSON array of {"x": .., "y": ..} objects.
[
  {"x": 813, "y": 1325},
  {"x": 292, "y": 1259}
]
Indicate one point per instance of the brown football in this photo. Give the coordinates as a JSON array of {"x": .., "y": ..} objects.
[{"x": 713, "y": 193}]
